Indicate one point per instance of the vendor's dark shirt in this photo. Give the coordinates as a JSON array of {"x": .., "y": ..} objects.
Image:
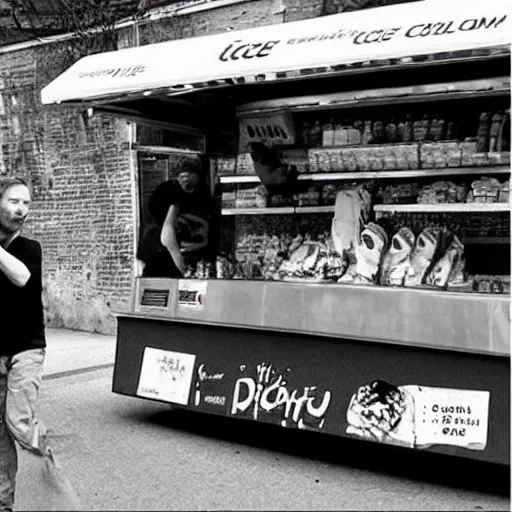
[
  {"x": 21, "y": 308},
  {"x": 193, "y": 227}
]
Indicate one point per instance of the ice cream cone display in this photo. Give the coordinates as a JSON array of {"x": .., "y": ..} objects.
[
  {"x": 419, "y": 416},
  {"x": 397, "y": 260},
  {"x": 382, "y": 412}
]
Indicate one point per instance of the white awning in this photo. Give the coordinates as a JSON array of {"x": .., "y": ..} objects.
[{"x": 394, "y": 32}]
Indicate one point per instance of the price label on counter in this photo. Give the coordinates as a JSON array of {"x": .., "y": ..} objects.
[
  {"x": 455, "y": 417},
  {"x": 192, "y": 294}
]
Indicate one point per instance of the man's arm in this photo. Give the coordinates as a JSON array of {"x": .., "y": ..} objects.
[
  {"x": 15, "y": 270},
  {"x": 169, "y": 239}
]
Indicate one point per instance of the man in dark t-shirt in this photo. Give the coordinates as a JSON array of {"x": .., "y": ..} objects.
[
  {"x": 181, "y": 209},
  {"x": 22, "y": 342}
]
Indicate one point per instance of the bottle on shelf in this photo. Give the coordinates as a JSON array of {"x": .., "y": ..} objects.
[
  {"x": 503, "y": 142},
  {"x": 378, "y": 132},
  {"x": 494, "y": 132},
  {"x": 400, "y": 131},
  {"x": 391, "y": 131},
  {"x": 368, "y": 133},
  {"x": 421, "y": 129},
  {"x": 482, "y": 136},
  {"x": 306, "y": 129},
  {"x": 315, "y": 135},
  {"x": 359, "y": 125},
  {"x": 452, "y": 131},
  {"x": 408, "y": 129},
  {"x": 436, "y": 130}
]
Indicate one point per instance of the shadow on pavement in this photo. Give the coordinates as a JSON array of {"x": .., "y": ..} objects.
[{"x": 428, "y": 467}]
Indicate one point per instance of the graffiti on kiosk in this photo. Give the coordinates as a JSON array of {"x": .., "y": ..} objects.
[
  {"x": 215, "y": 400},
  {"x": 204, "y": 381},
  {"x": 203, "y": 375},
  {"x": 172, "y": 366},
  {"x": 268, "y": 392}
]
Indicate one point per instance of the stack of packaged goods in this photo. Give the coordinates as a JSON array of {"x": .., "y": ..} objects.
[
  {"x": 224, "y": 165},
  {"x": 280, "y": 200},
  {"x": 489, "y": 190},
  {"x": 405, "y": 193},
  {"x": 257, "y": 256},
  {"x": 483, "y": 190},
  {"x": 491, "y": 284},
  {"x": 427, "y": 142},
  {"x": 228, "y": 199},
  {"x": 442, "y": 192},
  {"x": 255, "y": 197},
  {"x": 311, "y": 260},
  {"x": 311, "y": 197}
]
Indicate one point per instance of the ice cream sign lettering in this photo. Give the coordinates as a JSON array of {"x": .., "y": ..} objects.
[
  {"x": 268, "y": 394},
  {"x": 242, "y": 50}
]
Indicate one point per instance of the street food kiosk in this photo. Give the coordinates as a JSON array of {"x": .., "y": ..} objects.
[{"x": 359, "y": 278}]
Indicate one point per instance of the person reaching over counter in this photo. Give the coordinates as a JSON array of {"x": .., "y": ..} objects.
[{"x": 181, "y": 208}]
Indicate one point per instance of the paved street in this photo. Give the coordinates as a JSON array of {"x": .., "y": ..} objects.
[
  {"x": 123, "y": 453},
  {"x": 69, "y": 351}
]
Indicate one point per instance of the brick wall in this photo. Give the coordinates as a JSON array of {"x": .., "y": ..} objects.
[
  {"x": 80, "y": 170},
  {"x": 82, "y": 208}
]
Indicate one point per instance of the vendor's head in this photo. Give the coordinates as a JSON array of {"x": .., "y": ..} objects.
[{"x": 188, "y": 174}]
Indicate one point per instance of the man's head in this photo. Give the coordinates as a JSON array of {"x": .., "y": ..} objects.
[
  {"x": 14, "y": 205},
  {"x": 188, "y": 173}
]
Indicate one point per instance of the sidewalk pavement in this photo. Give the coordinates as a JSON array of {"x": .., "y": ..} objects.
[{"x": 71, "y": 351}]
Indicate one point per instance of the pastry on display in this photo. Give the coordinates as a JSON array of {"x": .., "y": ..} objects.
[
  {"x": 369, "y": 251},
  {"x": 423, "y": 255},
  {"x": 397, "y": 260},
  {"x": 447, "y": 265}
]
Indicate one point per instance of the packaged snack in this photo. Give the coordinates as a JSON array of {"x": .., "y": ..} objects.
[
  {"x": 340, "y": 135},
  {"x": 228, "y": 199},
  {"x": 504, "y": 192},
  {"x": 328, "y": 134}
]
